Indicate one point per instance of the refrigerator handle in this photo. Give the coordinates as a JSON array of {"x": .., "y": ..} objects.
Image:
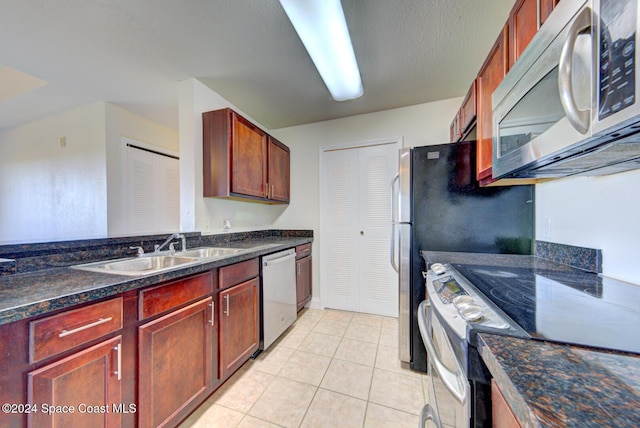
[{"x": 394, "y": 218}]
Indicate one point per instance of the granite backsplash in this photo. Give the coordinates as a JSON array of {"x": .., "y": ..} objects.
[
  {"x": 587, "y": 259},
  {"x": 22, "y": 258}
]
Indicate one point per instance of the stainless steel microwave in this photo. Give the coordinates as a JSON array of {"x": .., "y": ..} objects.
[{"x": 569, "y": 106}]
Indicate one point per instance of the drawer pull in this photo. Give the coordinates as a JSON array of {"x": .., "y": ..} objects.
[{"x": 65, "y": 333}]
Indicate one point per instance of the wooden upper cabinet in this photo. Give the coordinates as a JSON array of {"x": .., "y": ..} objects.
[
  {"x": 248, "y": 158},
  {"x": 546, "y": 7},
  {"x": 279, "y": 171},
  {"x": 523, "y": 25},
  {"x": 465, "y": 117},
  {"x": 491, "y": 74},
  {"x": 468, "y": 110},
  {"x": 240, "y": 161}
]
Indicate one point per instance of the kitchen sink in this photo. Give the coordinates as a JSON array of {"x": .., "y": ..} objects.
[
  {"x": 209, "y": 252},
  {"x": 144, "y": 265}
]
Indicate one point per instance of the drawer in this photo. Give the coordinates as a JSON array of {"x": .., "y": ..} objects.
[
  {"x": 164, "y": 297},
  {"x": 237, "y": 273},
  {"x": 52, "y": 335},
  {"x": 303, "y": 250}
]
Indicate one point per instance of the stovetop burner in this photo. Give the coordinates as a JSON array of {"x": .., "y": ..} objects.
[{"x": 564, "y": 305}]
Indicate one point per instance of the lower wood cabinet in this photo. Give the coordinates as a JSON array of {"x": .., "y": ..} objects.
[
  {"x": 175, "y": 370},
  {"x": 502, "y": 415},
  {"x": 303, "y": 275},
  {"x": 145, "y": 358},
  {"x": 239, "y": 329},
  {"x": 82, "y": 390}
]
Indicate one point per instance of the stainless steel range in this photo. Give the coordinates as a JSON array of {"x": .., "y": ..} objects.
[
  {"x": 454, "y": 310},
  {"x": 512, "y": 295}
]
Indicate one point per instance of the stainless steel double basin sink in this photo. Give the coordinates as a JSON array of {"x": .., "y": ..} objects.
[{"x": 151, "y": 263}]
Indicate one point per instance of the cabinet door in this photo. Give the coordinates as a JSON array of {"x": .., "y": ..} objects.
[
  {"x": 502, "y": 415},
  {"x": 239, "y": 325},
  {"x": 248, "y": 158},
  {"x": 279, "y": 171},
  {"x": 175, "y": 364},
  {"x": 546, "y": 7},
  {"x": 490, "y": 76},
  {"x": 86, "y": 380},
  {"x": 303, "y": 281},
  {"x": 523, "y": 25},
  {"x": 468, "y": 110}
]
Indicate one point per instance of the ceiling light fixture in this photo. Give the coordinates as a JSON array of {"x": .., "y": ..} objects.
[{"x": 321, "y": 26}]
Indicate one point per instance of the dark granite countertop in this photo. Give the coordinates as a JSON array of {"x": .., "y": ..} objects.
[
  {"x": 36, "y": 293},
  {"x": 554, "y": 385}
]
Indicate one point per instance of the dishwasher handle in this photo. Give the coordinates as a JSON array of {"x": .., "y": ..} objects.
[{"x": 286, "y": 256}]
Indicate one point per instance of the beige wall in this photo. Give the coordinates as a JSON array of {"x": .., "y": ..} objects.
[
  {"x": 49, "y": 192},
  {"x": 595, "y": 212},
  {"x": 123, "y": 123}
]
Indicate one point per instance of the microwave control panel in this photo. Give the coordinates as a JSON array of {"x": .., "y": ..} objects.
[{"x": 617, "y": 55}]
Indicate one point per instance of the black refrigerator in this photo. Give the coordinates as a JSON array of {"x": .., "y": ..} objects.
[{"x": 439, "y": 206}]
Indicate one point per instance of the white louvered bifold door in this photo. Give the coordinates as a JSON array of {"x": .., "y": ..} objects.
[
  {"x": 341, "y": 209},
  {"x": 355, "y": 206},
  {"x": 153, "y": 192},
  {"x": 378, "y": 280}
]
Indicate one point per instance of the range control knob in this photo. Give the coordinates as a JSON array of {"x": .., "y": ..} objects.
[{"x": 438, "y": 268}]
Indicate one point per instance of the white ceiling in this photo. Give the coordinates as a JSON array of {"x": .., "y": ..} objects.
[{"x": 134, "y": 52}]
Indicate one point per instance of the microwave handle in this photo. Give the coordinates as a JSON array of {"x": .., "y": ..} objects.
[{"x": 578, "y": 118}]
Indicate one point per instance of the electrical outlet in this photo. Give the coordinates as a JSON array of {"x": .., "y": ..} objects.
[{"x": 226, "y": 224}]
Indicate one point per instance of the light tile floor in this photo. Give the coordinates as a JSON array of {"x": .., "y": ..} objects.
[{"x": 330, "y": 369}]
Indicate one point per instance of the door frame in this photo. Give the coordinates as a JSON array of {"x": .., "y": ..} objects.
[{"x": 320, "y": 302}]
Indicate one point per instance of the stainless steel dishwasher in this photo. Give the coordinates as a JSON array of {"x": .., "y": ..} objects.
[{"x": 278, "y": 294}]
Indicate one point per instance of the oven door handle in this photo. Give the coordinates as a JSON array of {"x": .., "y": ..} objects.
[
  {"x": 454, "y": 382},
  {"x": 427, "y": 414}
]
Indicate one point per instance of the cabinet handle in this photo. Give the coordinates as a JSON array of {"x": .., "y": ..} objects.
[
  {"x": 213, "y": 312},
  {"x": 272, "y": 191},
  {"x": 298, "y": 268},
  {"x": 118, "y": 349},
  {"x": 226, "y": 297},
  {"x": 65, "y": 333}
]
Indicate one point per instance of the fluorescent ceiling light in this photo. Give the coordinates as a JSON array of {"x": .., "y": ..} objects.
[{"x": 321, "y": 26}]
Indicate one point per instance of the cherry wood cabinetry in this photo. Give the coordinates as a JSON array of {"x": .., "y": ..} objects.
[
  {"x": 491, "y": 74},
  {"x": 241, "y": 161},
  {"x": 278, "y": 170},
  {"x": 303, "y": 275},
  {"x": 83, "y": 389},
  {"x": 523, "y": 25},
  {"x": 466, "y": 116},
  {"x": 149, "y": 356},
  {"x": 524, "y": 21},
  {"x": 175, "y": 372},
  {"x": 546, "y": 7},
  {"x": 55, "y": 334},
  {"x": 502, "y": 416},
  {"x": 239, "y": 315}
]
